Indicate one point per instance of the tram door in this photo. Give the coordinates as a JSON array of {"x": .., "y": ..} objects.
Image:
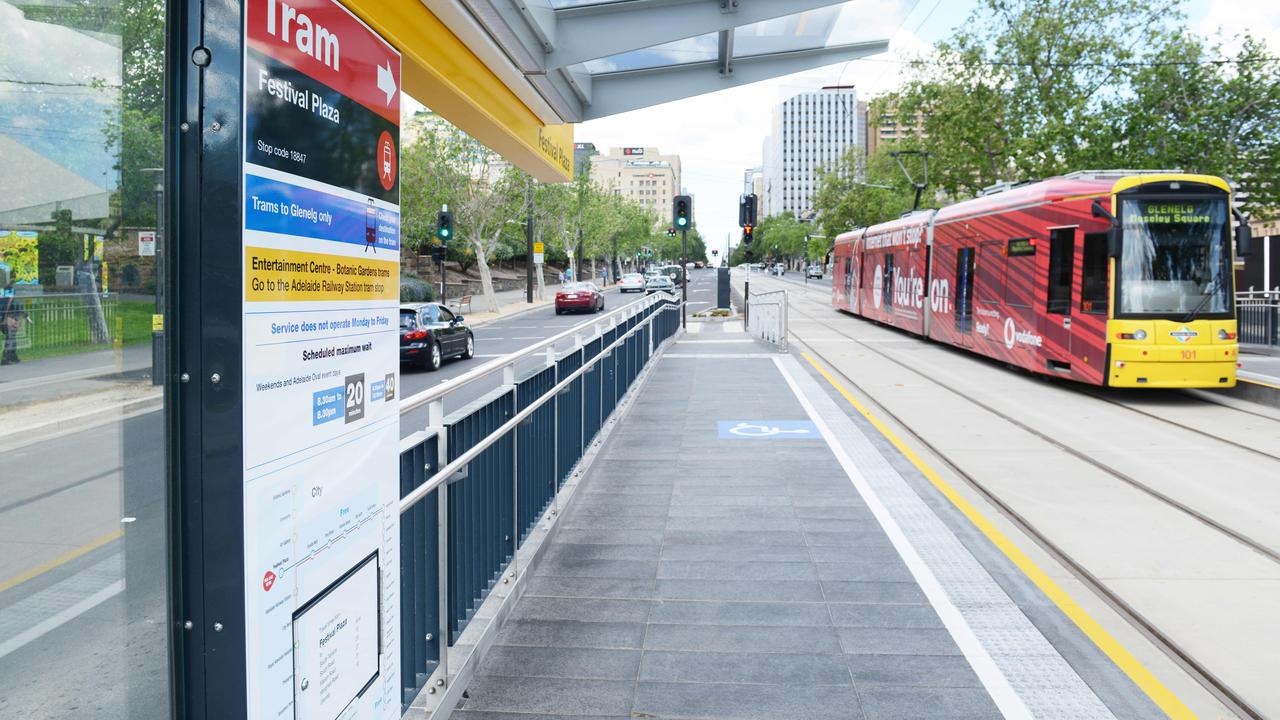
[
  {"x": 965, "y": 257},
  {"x": 1055, "y": 322}
]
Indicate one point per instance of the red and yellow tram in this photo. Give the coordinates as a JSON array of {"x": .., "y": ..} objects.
[{"x": 1114, "y": 278}]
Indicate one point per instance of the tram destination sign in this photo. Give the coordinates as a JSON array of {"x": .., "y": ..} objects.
[{"x": 320, "y": 252}]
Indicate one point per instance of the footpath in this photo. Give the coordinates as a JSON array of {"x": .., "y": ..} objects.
[{"x": 780, "y": 560}]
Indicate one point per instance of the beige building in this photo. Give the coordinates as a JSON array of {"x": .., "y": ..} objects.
[
  {"x": 641, "y": 174},
  {"x": 885, "y": 126}
]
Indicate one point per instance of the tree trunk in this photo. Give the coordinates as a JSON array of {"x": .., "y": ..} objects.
[{"x": 486, "y": 279}]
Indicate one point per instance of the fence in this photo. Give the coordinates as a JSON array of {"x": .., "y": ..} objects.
[
  {"x": 766, "y": 317},
  {"x": 65, "y": 321},
  {"x": 474, "y": 483},
  {"x": 1258, "y": 317}
]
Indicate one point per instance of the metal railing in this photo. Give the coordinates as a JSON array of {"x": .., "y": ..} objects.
[
  {"x": 767, "y": 317},
  {"x": 474, "y": 483},
  {"x": 1258, "y": 317},
  {"x": 55, "y": 322}
]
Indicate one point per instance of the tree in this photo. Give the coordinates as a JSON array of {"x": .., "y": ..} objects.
[
  {"x": 1029, "y": 89},
  {"x": 861, "y": 191}
]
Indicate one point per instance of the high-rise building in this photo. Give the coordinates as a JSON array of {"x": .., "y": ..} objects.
[
  {"x": 582, "y": 153},
  {"x": 641, "y": 174},
  {"x": 809, "y": 131}
]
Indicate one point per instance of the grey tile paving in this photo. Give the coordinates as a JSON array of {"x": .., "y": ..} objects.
[
  {"x": 567, "y": 696},
  {"x": 896, "y": 641},
  {"x": 721, "y": 638},
  {"x": 912, "y": 670},
  {"x": 569, "y": 633},
  {"x": 746, "y": 668},
  {"x": 563, "y": 662},
  {"x": 768, "y": 614},
  {"x": 729, "y": 586},
  {"x": 746, "y": 702},
  {"x": 913, "y": 703}
]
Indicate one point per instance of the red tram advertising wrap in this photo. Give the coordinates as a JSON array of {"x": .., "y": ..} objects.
[{"x": 1110, "y": 278}]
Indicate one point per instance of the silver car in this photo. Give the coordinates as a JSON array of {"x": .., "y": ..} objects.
[{"x": 657, "y": 283}]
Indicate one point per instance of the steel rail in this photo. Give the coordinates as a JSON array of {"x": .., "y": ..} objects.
[
  {"x": 1215, "y": 685},
  {"x": 444, "y": 473}
]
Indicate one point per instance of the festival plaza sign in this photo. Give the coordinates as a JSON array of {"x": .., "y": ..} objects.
[{"x": 320, "y": 248}]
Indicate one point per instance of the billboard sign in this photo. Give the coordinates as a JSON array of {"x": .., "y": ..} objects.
[
  {"x": 633, "y": 151},
  {"x": 321, "y": 271}
]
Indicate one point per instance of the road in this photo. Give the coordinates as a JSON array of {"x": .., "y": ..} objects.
[{"x": 82, "y": 546}]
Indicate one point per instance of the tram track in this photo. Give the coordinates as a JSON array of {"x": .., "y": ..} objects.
[
  {"x": 1189, "y": 428},
  {"x": 1167, "y": 645}
]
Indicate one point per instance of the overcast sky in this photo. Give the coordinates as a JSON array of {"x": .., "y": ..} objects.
[{"x": 719, "y": 135}]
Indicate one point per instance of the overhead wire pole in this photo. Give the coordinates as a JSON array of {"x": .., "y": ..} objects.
[{"x": 528, "y": 243}]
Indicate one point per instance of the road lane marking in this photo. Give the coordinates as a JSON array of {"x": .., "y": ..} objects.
[
  {"x": 1108, "y": 644},
  {"x": 62, "y": 559}
]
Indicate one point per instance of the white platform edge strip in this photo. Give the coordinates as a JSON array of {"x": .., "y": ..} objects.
[{"x": 993, "y": 679}]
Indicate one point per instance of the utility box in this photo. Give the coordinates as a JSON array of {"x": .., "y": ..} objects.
[
  {"x": 64, "y": 275},
  {"x": 722, "y": 288}
]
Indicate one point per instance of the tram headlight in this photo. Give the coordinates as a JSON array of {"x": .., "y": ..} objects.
[{"x": 1139, "y": 334}]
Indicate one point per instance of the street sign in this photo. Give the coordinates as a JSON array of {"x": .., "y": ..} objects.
[
  {"x": 146, "y": 243},
  {"x": 539, "y": 248},
  {"x": 320, "y": 363},
  {"x": 537, "y": 258}
]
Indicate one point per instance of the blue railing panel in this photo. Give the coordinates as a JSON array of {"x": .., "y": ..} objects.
[
  {"x": 568, "y": 416},
  {"x": 481, "y": 506},
  {"x": 536, "y": 449},
  {"x": 419, "y": 572}
]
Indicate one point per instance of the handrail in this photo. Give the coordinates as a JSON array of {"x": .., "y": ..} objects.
[
  {"x": 443, "y": 474},
  {"x": 413, "y": 402}
]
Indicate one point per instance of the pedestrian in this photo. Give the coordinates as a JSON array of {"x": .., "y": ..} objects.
[
  {"x": 561, "y": 277},
  {"x": 12, "y": 315}
]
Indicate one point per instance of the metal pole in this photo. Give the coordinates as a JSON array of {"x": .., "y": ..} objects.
[
  {"x": 684, "y": 277},
  {"x": 442, "y": 278},
  {"x": 528, "y": 241},
  {"x": 577, "y": 271}
]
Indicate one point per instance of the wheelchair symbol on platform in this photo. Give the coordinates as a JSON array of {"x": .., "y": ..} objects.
[{"x": 768, "y": 429}]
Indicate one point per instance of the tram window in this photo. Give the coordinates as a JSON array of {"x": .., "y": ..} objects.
[
  {"x": 1094, "y": 292},
  {"x": 888, "y": 281},
  {"x": 991, "y": 266},
  {"x": 1061, "y": 262},
  {"x": 1019, "y": 279}
]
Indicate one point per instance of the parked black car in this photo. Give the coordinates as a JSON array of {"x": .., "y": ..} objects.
[{"x": 430, "y": 333}]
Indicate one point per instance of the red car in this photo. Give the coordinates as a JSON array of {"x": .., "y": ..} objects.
[{"x": 579, "y": 296}]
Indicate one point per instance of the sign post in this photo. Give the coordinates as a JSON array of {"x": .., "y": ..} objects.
[{"x": 320, "y": 348}]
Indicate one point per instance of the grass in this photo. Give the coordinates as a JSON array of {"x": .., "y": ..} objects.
[{"x": 60, "y": 326}]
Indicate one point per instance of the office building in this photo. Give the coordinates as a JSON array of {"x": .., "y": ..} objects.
[
  {"x": 641, "y": 174},
  {"x": 809, "y": 131}
]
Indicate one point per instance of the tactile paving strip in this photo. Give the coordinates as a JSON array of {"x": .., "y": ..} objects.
[{"x": 1035, "y": 671}]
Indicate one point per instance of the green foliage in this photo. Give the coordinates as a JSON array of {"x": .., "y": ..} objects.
[
  {"x": 861, "y": 191},
  {"x": 415, "y": 289},
  {"x": 1029, "y": 89}
]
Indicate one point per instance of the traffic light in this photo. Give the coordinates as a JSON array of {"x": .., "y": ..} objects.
[
  {"x": 747, "y": 232},
  {"x": 682, "y": 212},
  {"x": 747, "y": 210},
  {"x": 671, "y": 232},
  {"x": 715, "y": 252},
  {"x": 444, "y": 226}
]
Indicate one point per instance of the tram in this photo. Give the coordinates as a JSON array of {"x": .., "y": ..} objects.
[{"x": 1116, "y": 278}]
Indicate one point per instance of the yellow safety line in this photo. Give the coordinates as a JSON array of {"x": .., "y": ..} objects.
[
  {"x": 62, "y": 559},
  {"x": 1137, "y": 672}
]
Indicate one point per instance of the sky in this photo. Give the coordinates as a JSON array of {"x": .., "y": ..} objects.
[{"x": 720, "y": 135}]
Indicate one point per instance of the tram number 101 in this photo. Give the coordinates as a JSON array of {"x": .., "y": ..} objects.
[{"x": 1188, "y": 354}]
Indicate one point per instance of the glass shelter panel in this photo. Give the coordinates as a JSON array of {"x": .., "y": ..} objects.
[{"x": 84, "y": 546}]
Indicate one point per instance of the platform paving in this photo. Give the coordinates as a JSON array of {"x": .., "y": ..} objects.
[{"x": 697, "y": 576}]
